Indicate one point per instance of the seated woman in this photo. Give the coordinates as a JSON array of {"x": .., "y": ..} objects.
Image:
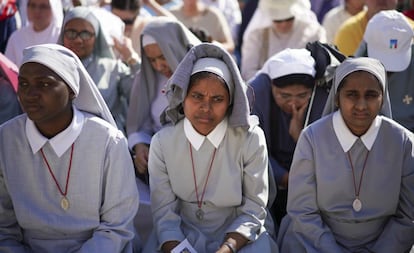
[
  {"x": 82, "y": 33},
  {"x": 353, "y": 171},
  {"x": 54, "y": 197},
  {"x": 285, "y": 100},
  {"x": 205, "y": 193},
  {"x": 164, "y": 43}
]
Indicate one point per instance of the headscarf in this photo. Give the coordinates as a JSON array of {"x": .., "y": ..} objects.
[
  {"x": 351, "y": 65},
  {"x": 67, "y": 65},
  {"x": 101, "y": 48},
  {"x": 178, "y": 84},
  {"x": 174, "y": 40}
]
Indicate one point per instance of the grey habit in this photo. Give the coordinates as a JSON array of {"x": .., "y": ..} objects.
[
  {"x": 237, "y": 192},
  {"x": 321, "y": 217},
  {"x": 101, "y": 191},
  {"x": 174, "y": 40}
]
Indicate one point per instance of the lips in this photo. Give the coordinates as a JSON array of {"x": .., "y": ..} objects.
[{"x": 31, "y": 107}]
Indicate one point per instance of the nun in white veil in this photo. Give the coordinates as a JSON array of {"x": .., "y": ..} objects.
[{"x": 72, "y": 187}]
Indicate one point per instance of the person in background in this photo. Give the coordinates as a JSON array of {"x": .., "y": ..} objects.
[
  {"x": 354, "y": 169},
  {"x": 389, "y": 38},
  {"x": 205, "y": 193},
  {"x": 164, "y": 43},
  {"x": 72, "y": 188},
  {"x": 337, "y": 16},
  {"x": 130, "y": 13},
  {"x": 351, "y": 32},
  {"x": 197, "y": 16},
  {"x": 321, "y": 7},
  {"x": 45, "y": 18},
  {"x": 82, "y": 33},
  {"x": 8, "y": 22},
  {"x": 275, "y": 26},
  {"x": 283, "y": 89},
  {"x": 9, "y": 104},
  {"x": 231, "y": 11}
]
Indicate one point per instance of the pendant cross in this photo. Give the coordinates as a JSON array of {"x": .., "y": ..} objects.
[{"x": 407, "y": 99}]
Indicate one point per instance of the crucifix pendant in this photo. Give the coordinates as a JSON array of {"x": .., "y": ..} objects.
[
  {"x": 199, "y": 214},
  {"x": 357, "y": 205},
  {"x": 64, "y": 203}
]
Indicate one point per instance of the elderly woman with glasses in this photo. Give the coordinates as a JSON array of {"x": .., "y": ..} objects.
[{"x": 82, "y": 33}]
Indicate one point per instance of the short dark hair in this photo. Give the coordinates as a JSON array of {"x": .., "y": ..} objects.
[
  {"x": 305, "y": 79},
  {"x": 127, "y": 5}
]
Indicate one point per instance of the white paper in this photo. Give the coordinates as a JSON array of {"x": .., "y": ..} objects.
[{"x": 184, "y": 247}]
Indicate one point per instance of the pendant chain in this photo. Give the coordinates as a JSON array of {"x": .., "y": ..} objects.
[
  {"x": 353, "y": 174},
  {"x": 200, "y": 201},
  {"x": 53, "y": 175}
]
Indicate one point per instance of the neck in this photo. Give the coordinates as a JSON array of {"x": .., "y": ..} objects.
[
  {"x": 351, "y": 9},
  {"x": 191, "y": 10},
  {"x": 50, "y": 128}
]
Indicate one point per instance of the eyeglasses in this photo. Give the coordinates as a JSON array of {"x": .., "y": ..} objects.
[
  {"x": 72, "y": 34},
  {"x": 41, "y": 7}
]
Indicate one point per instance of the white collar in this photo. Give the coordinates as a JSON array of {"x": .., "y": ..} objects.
[
  {"x": 196, "y": 139},
  {"x": 347, "y": 138},
  {"x": 62, "y": 141}
]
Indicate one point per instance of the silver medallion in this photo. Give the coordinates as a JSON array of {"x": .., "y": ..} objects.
[
  {"x": 357, "y": 205},
  {"x": 64, "y": 203},
  {"x": 199, "y": 214}
]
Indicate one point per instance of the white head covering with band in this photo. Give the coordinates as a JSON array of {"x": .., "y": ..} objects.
[
  {"x": 351, "y": 65},
  {"x": 177, "y": 86},
  {"x": 215, "y": 66},
  {"x": 68, "y": 66}
]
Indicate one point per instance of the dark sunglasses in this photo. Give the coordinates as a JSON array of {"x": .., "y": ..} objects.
[
  {"x": 129, "y": 21},
  {"x": 72, "y": 34}
]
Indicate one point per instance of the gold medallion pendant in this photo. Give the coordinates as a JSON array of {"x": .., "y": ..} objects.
[{"x": 64, "y": 203}]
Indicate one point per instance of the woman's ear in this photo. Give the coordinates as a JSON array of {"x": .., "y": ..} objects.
[{"x": 337, "y": 100}]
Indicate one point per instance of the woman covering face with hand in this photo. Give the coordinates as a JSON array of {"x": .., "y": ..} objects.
[
  {"x": 66, "y": 178},
  {"x": 353, "y": 171},
  {"x": 205, "y": 192}
]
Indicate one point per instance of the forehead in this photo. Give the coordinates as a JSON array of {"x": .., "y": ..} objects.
[
  {"x": 292, "y": 88},
  {"x": 39, "y": 2},
  {"x": 79, "y": 23},
  {"x": 152, "y": 50},
  {"x": 361, "y": 80},
  {"x": 36, "y": 70}
]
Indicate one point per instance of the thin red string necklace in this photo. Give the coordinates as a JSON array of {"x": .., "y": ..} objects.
[
  {"x": 199, "y": 213},
  {"x": 64, "y": 203},
  {"x": 357, "y": 204}
]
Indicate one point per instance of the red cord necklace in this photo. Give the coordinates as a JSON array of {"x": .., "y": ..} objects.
[
  {"x": 357, "y": 204},
  {"x": 199, "y": 213},
  {"x": 64, "y": 203}
]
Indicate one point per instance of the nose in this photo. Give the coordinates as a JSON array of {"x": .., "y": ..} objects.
[
  {"x": 159, "y": 65},
  {"x": 361, "y": 104},
  {"x": 205, "y": 106},
  {"x": 30, "y": 91}
]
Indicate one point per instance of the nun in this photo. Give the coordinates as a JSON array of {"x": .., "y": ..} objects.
[
  {"x": 209, "y": 167},
  {"x": 66, "y": 177},
  {"x": 352, "y": 172}
]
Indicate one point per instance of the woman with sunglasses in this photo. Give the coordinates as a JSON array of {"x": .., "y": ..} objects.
[{"x": 82, "y": 33}]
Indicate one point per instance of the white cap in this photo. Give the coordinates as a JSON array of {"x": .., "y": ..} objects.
[
  {"x": 389, "y": 37},
  {"x": 290, "y": 61},
  {"x": 148, "y": 40},
  {"x": 280, "y": 9},
  {"x": 215, "y": 66}
]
